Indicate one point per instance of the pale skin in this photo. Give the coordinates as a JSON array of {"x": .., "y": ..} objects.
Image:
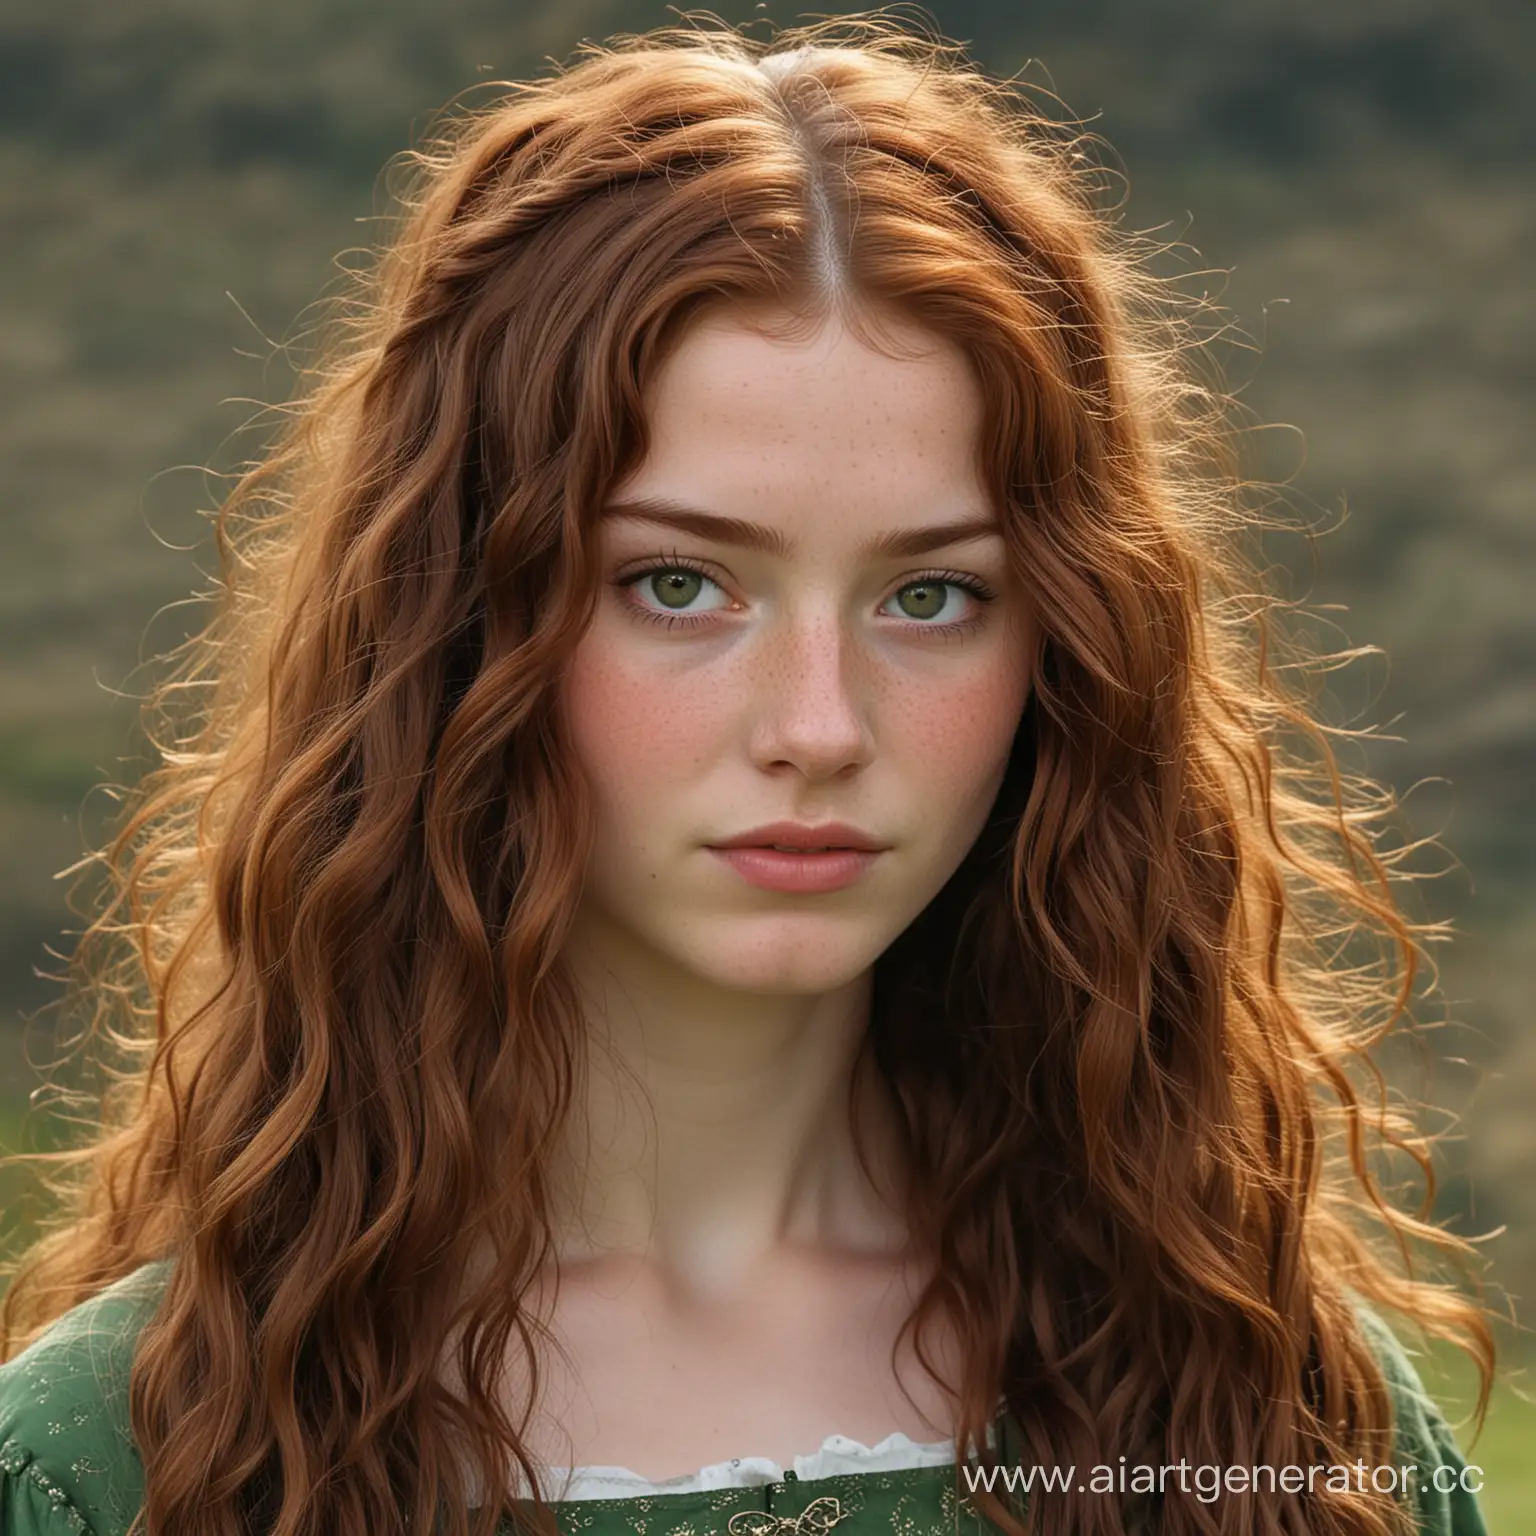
[{"x": 730, "y": 1283}]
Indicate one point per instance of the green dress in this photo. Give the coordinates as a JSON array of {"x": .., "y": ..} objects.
[{"x": 68, "y": 1464}]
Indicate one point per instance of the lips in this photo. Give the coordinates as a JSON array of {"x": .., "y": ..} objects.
[
  {"x": 797, "y": 837},
  {"x": 796, "y": 871}
]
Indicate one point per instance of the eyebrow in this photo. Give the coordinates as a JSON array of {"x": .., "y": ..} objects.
[{"x": 893, "y": 544}]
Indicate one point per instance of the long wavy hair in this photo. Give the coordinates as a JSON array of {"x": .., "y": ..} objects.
[{"x": 1145, "y": 1137}]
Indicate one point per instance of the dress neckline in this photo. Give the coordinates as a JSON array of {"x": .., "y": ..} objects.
[{"x": 837, "y": 1456}]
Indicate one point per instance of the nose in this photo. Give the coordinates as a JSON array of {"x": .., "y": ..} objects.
[{"x": 810, "y": 690}]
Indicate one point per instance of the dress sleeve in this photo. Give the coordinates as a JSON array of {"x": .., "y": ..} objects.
[
  {"x": 1443, "y": 1487},
  {"x": 31, "y": 1503},
  {"x": 68, "y": 1465}
]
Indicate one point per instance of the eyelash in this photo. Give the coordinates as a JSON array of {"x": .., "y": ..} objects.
[{"x": 663, "y": 564}]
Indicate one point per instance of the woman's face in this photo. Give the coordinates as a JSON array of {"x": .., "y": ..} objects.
[{"x": 794, "y": 670}]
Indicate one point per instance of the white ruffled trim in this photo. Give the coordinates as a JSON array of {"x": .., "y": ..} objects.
[{"x": 838, "y": 1455}]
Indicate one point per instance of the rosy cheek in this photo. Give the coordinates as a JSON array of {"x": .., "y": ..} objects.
[
  {"x": 634, "y": 723},
  {"x": 960, "y": 733}
]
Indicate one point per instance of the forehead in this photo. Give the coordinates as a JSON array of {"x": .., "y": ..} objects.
[{"x": 752, "y": 422}]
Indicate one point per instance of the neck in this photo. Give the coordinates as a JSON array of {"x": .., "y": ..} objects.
[{"x": 712, "y": 1127}]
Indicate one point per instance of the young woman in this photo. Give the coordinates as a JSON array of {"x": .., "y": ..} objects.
[{"x": 745, "y": 937}]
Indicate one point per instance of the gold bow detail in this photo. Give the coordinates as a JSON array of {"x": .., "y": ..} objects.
[{"x": 819, "y": 1515}]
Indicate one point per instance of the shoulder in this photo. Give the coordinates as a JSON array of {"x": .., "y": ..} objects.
[
  {"x": 67, "y": 1458},
  {"x": 1442, "y": 1485}
]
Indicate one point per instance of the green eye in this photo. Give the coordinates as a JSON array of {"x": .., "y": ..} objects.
[
  {"x": 928, "y": 601},
  {"x": 675, "y": 589}
]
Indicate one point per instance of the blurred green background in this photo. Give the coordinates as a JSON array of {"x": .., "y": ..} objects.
[{"x": 177, "y": 178}]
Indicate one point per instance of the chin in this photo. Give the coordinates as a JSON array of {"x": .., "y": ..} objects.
[
  {"x": 807, "y": 957},
  {"x": 790, "y": 979}
]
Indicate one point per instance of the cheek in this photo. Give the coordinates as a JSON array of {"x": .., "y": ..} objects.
[
  {"x": 635, "y": 729},
  {"x": 956, "y": 738}
]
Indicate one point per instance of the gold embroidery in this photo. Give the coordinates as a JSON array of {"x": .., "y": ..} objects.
[{"x": 819, "y": 1515}]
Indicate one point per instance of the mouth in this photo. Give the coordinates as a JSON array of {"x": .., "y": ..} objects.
[
  {"x": 788, "y": 837},
  {"x": 791, "y": 848},
  {"x": 795, "y": 869}
]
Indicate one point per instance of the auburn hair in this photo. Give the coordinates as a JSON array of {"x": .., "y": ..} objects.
[{"x": 1125, "y": 1040}]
